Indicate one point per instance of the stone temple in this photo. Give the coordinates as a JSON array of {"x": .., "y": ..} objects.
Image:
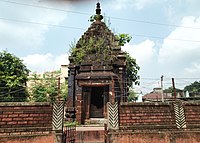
[{"x": 97, "y": 73}]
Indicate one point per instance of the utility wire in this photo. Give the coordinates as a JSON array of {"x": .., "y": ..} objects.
[
  {"x": 154, "y": 23},
  {"x": 69, "y": 27},
  {"x": 174, "y": 39},
  {"x": 146, "y": 78},
  {"x": 44, "y": 7},
  {"x": 13, "y": 91},
  {"x": 117, "y": 18},
  {"x": 44, "y": 24},
  {"x": 78, "y": 28}
]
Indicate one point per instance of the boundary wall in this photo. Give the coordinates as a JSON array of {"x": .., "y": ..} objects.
[
  {"x": 168, "y": 122},
  {"x": 26, "y": 122}
]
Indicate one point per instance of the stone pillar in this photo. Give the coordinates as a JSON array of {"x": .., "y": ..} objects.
[
  {"x": 71, "y": 87},
  {"x": 79, "y": 104},
  {"x": 106, "y": 100},
  {"x": 57, "y": 120},
  {"x": 112, "y": 92},
  {"x": 121, "y": 83},
  {"x": 88, "y": 100}
]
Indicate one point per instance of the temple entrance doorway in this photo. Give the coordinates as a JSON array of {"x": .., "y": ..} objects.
[{"x": 97, "y": 102}]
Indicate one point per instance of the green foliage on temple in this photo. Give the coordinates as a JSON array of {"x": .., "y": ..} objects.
[
  {"x": 89, "y": 47},
  {"x": 123, "y": 39},
  {"x": 13, "y": 77},
  {"x": 132, "y": 69},
  {"x": 98, "y": 47}
]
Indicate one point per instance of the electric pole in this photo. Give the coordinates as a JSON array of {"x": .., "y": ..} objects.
[
  {"x": 174, "y": 89},
  {"x": 58, "y": 88},
  {"x": 162, "y": 88}
]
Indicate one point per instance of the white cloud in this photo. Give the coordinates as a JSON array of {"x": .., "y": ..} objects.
[
  {"x": 120, "y": 4},
  {"x": 45, "y": 62},
  {"x": 140, "y": 4},
  {"x": 182, "y": 56},
  {"x": 25, "y": 35},
  {"x": 143, "y": 52},
  {"x": 145, "y": 55},
  {"x": 194, "y": 69},
  {"x": 175, "y": 10},
  {"x": 137, "y": 4},
  {"x": 21, "y": 36}
]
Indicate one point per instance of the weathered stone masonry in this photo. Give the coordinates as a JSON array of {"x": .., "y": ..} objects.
[{"x": 100, "y": 77}]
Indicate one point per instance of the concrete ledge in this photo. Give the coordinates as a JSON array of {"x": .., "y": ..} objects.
[
  {"x": 25, "y": 135},
  {"x": 192, "y": 103},
  {"x": 149, "y": 127},
  {"x": 89, "y": 128},
  {"x": 157, "y": 103},
  {"x": 24, "y": 129},
  {"x": 145, "y": 103},
  {"x": 10, "y": 104}
]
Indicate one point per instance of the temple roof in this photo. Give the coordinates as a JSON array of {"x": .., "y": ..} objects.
[
  {"x": 98, "y": 30},
  {"x": 98, "y": 44}
]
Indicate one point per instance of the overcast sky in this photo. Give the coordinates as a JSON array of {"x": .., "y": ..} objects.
[{"x": 166, "y": 34}]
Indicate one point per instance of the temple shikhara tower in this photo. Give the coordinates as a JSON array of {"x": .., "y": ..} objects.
[{"x": 97, "y": 72}]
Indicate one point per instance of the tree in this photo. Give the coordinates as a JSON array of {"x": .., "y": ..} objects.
[
  {"x": 171, "y": 90},
  {"x": 132, "y": 67},
  {"x": 193, "y": 88},
  {"x": 45, "y": 87},
  {"x": 132, "y": 71},
  {"x": 13, "y": 78},
  {"x": 132, "y": 95}
]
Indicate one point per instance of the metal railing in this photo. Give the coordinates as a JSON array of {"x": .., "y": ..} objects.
[{"x": 70, "y": 134}]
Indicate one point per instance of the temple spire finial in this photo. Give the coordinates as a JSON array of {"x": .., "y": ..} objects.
[{"x": 98, "y": 16}]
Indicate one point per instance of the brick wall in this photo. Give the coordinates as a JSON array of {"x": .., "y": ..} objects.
[
  {"x": 25, "y": 119},
  {"x": 156, "y": 122},
  {"x": 192, "y": 114},
  {"x": 147, "y": 115}
]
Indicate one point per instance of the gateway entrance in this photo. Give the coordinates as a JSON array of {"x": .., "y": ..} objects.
[{"x": 96, "y": 106}]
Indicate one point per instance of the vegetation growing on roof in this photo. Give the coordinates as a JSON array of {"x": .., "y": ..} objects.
[
  {"x": 99, "y": 46},
  {"x": 89, "y": 47}
]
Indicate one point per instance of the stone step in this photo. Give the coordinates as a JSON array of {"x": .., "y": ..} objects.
[
  {"x": 91, "y": 133},
  {"x": 90, "y": 128},
  {"x": 96, "y": 121}
]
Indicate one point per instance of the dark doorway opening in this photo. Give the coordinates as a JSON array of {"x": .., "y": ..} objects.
[{"x": 96, "y": 108}]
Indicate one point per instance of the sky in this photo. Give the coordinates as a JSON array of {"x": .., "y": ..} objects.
[{"x": 166, "y": 34}]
